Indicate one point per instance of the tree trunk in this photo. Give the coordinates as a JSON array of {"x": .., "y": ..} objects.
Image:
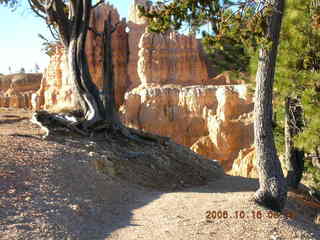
[
  {"x": 78, "y": 66},
  {"x": 108, "y": 96},
  {"x": 272, "y": 192},
  {"x": 294, "y": 157}
]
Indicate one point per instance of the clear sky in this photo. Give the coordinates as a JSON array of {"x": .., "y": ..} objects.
[{"x": 20, "y": 45}]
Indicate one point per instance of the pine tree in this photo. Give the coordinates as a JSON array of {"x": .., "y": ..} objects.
[
  {"x": 297, "y": 79},
  {"x": 255, "y": 23}
]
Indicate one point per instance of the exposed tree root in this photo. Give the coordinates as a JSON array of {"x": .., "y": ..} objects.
[{"x": 53, "y": 122}]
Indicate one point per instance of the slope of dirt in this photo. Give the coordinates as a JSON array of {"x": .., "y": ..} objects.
[{"x": 55, "y": 190}]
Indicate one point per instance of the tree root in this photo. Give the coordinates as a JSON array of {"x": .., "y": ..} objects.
[
  {"x": 50, "y": 122},
  {"x": 149, "y": 136}
]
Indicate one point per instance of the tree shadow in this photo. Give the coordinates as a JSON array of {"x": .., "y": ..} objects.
[
  {"x": 88, "y": 204},
  {"x": 234, "y": 184},
  {"x": 76, "y": 199}
]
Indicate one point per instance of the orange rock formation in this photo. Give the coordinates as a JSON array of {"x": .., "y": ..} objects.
[{"x": 162, "y": 86}]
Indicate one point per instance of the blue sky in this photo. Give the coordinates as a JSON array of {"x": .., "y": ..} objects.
[{"x": 20, "y": 45}]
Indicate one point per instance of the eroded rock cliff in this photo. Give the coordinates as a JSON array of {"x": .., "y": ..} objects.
[
  {"x": 170, "y": 58},
  {"x": 162, "y": 86},
  {"x": 214, "y": 121}
]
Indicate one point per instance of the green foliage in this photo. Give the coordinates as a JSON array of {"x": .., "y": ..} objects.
[
  {"x": 9, "y": 3},
  {"x": 230, "y": 22},
  {"x": 48, "y": 46},
  {"x": 297, "y": 76},
  {"x": 232, "y": 56},
  {"x": 298, "y": 68},
  {"x": 314, "y": 172}
]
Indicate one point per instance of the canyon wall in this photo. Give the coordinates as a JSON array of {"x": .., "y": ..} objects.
[
  {"x": 163, "y": 85},
  {"x": 214, "y": 121},
  {"x": 170, "y": 58}
]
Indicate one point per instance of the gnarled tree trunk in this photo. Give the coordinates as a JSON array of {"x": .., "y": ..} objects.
[
  {"x": 78, "y": 66},
  {"x": 100, "y": 114},
  {"x": 272, "y": 192}
]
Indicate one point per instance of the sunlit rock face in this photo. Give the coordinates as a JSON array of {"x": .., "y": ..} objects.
[
  {"x": 162, "y": 86},
  {"x": 245, "y": 165},
  {"x": 170, "y": 58},
  {"x": 214, "y": 121},
  {"x": 16, "y": 89},
  {"x": 56, "y": 91}
]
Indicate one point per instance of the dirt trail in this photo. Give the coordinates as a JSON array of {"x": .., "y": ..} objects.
[{"x": 51, "y": 190}]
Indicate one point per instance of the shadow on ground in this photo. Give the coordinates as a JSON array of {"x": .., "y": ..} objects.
[{"x": 70, "y": 199}]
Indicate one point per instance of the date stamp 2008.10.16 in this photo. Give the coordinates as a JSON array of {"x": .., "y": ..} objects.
[{"x": 212, "y": 215}]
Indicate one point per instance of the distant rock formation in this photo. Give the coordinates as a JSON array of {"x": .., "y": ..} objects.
[
  {"x": 16, "y": 89},
  {"x": 56, "y": 91},
  {"x": 170, "y": 58},
  {"x": 163, "y": 85}
]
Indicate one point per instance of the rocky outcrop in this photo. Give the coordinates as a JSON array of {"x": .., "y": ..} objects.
[
  {"x": 170, "y": 58},
  {"x": 214, "y": 121},
  {"x": 138, "y": 58},
  {"x": 56, "y": 91},
  {"x": 16, "y": 89},
  {"x": 164, "y": 86},
  {"x": 157, "y": 59},
  {"x": 245, "y": 164}
]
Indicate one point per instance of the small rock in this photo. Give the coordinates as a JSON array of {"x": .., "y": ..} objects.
[
  {"x": 91, "y": 154},
  {"x": 317, "y": 219}
]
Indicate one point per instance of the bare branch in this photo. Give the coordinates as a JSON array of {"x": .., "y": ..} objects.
[
  {"x": 97, "y": 4},
  {"x": 37, "y": 5},
  {"x": 49, "y": 4},
  {"x": 54, "y": 32},
  {"x": 35, "y": 10}
]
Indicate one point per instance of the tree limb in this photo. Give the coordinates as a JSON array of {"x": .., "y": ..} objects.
[
  {"x": 35, "y": 9},
  {"x": 97, "y": 4}
]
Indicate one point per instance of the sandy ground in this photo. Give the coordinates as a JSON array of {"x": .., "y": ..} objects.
[{"x": 52, "y": 190}]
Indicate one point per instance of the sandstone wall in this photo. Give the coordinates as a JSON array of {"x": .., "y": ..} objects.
[
  {"x": 170, "y": 58},
  {"x": 245, "y": 164},
  {"x": 214, "y": 121},
  {"x": 16, "y": 89},
  {"x": 56, "y": 92},
  {"x": 162, "y": 86}
]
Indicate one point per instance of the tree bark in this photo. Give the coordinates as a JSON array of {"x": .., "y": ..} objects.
[
  {"x": 294, "y": 157},
  {"x": 272, "y": 192},
  {"x": 111, "y": 113},
  {"x": 78, "y": 66}
]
